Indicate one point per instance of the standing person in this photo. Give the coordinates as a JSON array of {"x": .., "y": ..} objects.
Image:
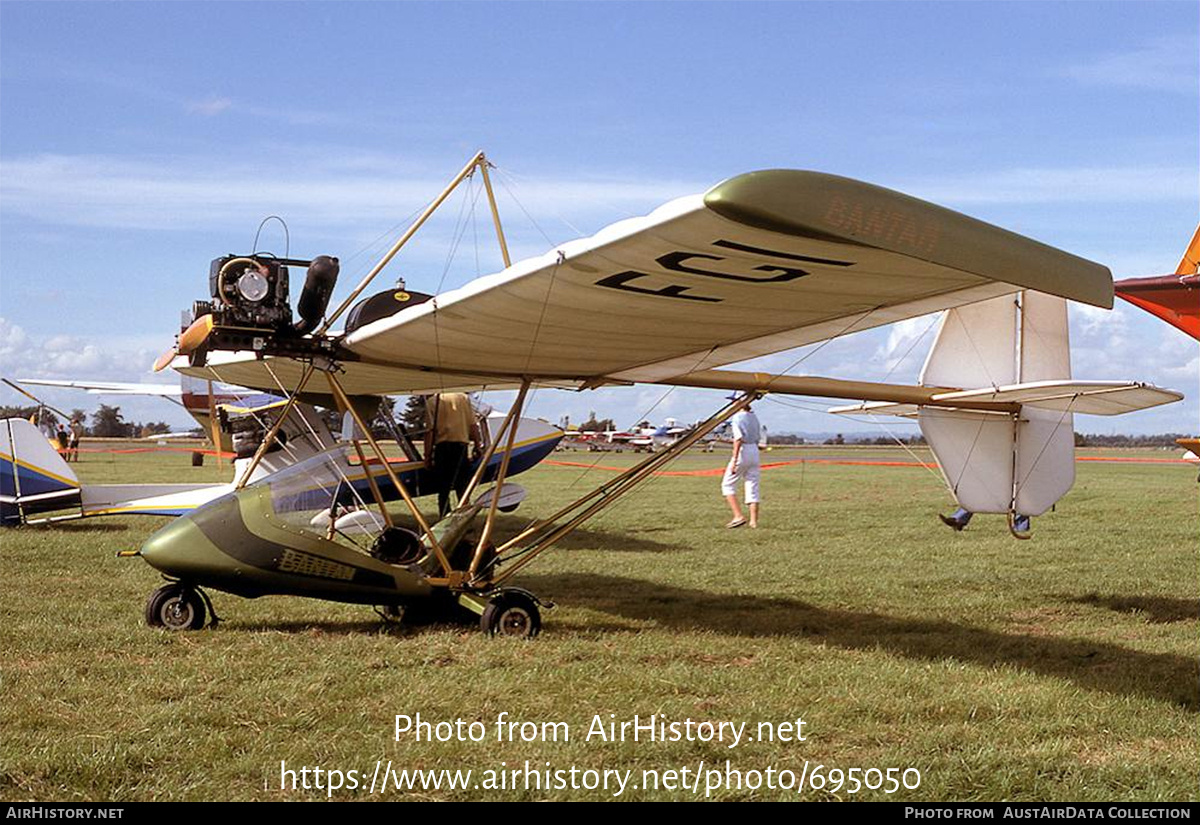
[
  {"x": 452, "y": 430},
  {"x": 743, "y": 466},
  {"x": 63, "y": 440},
  {"x": 73, "y": 441}
]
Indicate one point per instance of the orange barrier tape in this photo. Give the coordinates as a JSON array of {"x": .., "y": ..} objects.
[{"x": 845, "y": 462}]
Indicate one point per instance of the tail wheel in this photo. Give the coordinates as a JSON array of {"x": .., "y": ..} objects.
[
  {"x": 513, "y": 614},
  {"x": 175, "y": 607}
]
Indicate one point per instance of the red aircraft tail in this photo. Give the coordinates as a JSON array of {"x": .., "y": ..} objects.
[{"x": 1173, "y": 298}]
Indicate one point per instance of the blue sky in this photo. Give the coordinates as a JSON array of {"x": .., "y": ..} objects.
[{"x": 140, "y": 140}]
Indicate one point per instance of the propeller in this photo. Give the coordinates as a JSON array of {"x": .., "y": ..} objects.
[{"x": 190, "y": 340}]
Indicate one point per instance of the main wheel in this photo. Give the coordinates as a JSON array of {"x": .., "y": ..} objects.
[
  {"x": 511, "y": 613},
  {"x": 175, "y": 607}
]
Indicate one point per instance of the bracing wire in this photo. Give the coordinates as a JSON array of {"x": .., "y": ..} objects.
[
  {"x": 861, "y": 420},
  {"x": 317, "y": 441},
  {"x": 455, "y": 239},
  {"x": 846, "y": 330},
  {"x": 913, "y": 346},
  {"x": 503, "y": 177},
  {"x": 1049, "y": 438}
]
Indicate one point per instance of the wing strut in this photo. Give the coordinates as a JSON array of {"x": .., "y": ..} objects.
[
  {"x": 480, "y": 161},
  {"x": 514, "y": 415},
  {"x": 542, "y": 534},
  {"x": 343, "y": 402}
]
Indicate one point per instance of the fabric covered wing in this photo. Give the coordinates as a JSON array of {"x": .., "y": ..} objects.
[{"x": 761, "y": 263}]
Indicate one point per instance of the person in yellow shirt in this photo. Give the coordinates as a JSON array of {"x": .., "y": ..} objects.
[{"x": 452, "y": 430}]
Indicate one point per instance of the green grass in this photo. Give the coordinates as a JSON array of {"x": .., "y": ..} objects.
[{"x": 1062, "y": 668}]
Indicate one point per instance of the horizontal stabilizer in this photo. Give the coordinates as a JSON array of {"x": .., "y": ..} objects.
[
  {"x": 1087, "y": 397},
  {"x": 877, "y": 408},
  {"x": 148, "y": 499}
]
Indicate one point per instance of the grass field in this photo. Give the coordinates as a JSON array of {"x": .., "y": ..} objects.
[{"x": 1062, "y": 668}]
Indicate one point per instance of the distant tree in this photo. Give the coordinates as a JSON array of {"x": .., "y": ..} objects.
[
  {"x": 1114, "y": 440},
  {"x": 151, "y": 428},
  {"x": 594, "y": 426},
  {"x": 80, "y": 417},
  {"x": 889, "y": 440},
  {"x": 107, "y": 423},
  {"x": 46, "y": 419},
  {"x": 413, "y": 417}
]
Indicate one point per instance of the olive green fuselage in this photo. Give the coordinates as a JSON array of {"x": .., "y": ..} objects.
[{"x": 237, "y": 544}]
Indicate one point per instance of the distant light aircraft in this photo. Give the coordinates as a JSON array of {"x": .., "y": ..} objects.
[
  {"x": 642, "y": 438},
  {"x": 199, "y": 398},
  {"x": 760, "y": 263}
]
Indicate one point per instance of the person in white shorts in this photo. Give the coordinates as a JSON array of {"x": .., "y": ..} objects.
[{"x": 743, "y": 466}]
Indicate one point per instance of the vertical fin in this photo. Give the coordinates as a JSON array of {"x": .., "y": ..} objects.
[
  {"x": 33, "y": 476},
  {"x": 992, "y": 462}
]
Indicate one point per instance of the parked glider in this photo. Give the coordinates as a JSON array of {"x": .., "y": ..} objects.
[
  {"x": 35, "y": 480},
  {"x": 199, "y": 398},
  {"x": 760, "y": 263}
]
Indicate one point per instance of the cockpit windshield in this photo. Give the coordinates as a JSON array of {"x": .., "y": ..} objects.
[{"x": 323, "y": 488}]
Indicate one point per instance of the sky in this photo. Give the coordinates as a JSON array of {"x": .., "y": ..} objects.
[{"x": 138, "y": 141}]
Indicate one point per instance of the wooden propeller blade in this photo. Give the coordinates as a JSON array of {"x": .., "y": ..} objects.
[
  {"x": 189, "y": 340},
  {"x": 163, "y": 361},
  {"x": 195, "y": 335}
]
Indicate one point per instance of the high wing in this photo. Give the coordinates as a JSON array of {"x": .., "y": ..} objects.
[
  {"x": 109, "y": 387},
  {"x": 761, "y": 263}
]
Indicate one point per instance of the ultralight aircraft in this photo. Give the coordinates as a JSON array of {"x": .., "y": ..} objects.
[{"x": 761, "y": 262}]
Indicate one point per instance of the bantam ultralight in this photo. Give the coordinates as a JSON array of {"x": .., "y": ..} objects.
[{"x": 760, "y": 263}]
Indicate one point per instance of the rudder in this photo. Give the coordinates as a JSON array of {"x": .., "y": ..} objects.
[
  {"x": 997, "y": 462},
  {"x": 33, "y": 476}
]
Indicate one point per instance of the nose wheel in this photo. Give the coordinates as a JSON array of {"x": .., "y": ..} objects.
[
  {"x": 511, "y": 613},
  {"x": 176, "y": 607}
]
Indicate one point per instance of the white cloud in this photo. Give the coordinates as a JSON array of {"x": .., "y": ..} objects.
[
  {"x": 211, "y": 106},
  {"x": 1165, "y": 64},
  {"x": 66, "y": 356},
  {"x": 188, "y": 193}
]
